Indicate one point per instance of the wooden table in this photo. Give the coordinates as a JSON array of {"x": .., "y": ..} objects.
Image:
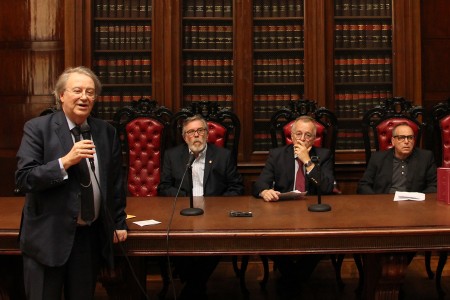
[{"x": 374, "y": 225}]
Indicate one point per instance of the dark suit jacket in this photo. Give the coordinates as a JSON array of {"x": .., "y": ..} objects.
[
  {"x": 221, "y": 177},
  {"x": 49, "y": 216},
  {"x": 279, "y": 172},
  {"x": 377, "y": 178}
]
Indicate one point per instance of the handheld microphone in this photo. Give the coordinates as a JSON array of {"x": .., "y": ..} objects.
[
  {"x": 191, "y": 211},
  {"x": 319, "y": 207},
  {"x": 86, "y": 133}
]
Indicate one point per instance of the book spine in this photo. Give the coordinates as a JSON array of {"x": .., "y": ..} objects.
[
  {"x": 227, "y": 8},
  {"x": 218, "y": 8}
]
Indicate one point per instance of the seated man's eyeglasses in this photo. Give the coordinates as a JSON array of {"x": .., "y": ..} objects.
[
  {"x": 307, "y": 136},
  {"x": 192, "y": 132},
  {"x": 401, "y": 138},
  {"x": 79, "y": 92}
]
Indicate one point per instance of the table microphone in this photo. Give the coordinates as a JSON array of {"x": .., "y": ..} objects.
[
  {"x": 319, "y": 207},
  {"x": 190, "y": 211}
]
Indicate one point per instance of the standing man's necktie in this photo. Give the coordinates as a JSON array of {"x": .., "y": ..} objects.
[
  {"x": 300, "y": 178},
  {"x": 87, "y": 194}
]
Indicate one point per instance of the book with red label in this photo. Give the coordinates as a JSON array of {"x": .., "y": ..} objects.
[{"x": 443, "y": 185}]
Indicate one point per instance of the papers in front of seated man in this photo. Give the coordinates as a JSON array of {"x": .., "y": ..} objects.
[
  {"x": 294, "y": 195},
  {"x": 402, "y": 196}
]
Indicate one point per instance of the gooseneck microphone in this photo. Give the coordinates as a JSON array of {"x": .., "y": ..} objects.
[
  {"x": 86, "y": 134},
  {"x": 190, "y": 211},
  {"x": 319, "y": 207}
]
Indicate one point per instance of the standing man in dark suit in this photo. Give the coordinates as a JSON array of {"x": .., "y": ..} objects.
[
  {"x": 214, "y": 173},
  {"x": 402, "y": 168},
  {"x": 290, "y": 168},
  {"x": 63, "y": 247}
]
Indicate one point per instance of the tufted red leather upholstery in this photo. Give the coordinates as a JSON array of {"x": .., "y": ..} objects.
[
  {"x": 444, "y": 123},
  {"x": 320, "y": 129},
  {"x": 378, "y": 122},
  {"x": 439, "y": 135},
  {"x": 144, "y": 157},
  {"x": 223, "y": 125},
  {"x": 325, "y": 120},
  {"x": 142, "y": 126},
  {"x": 384, "y": 131},
  {"x": 217, "y": 134}
]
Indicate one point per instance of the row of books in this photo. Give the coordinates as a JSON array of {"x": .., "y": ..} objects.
[
  {"x": 223, "y": 100},
  {"x": 363, "y": 35},
  {"x": 349, "y": 139},
  {"x": 109, "y": 103},
  {"x": 123, "y": 8},
  {"x": 278, "y": 36},
  {"x": 130, "y": 69},
  {"x": 353, "y": 104},
  {"x": 278, "y": 8},
  {"x": 261, "y": 139},
  {"x": 363, "y": 68},
  {"x": 285, "y": 70},
  {"x": 132, "y": 36},
  {"x": 264, "y": 105},
  {"x": 208, "y": 8},
  {"x": 208, "y": 37},
  {"x": 363, "y": 7},
  {"x": 208, "y": 71}
]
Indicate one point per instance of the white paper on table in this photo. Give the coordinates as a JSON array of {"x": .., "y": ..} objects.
[
  {"x": 147, "y": 222},
  {"x": 414, "y": 196}
]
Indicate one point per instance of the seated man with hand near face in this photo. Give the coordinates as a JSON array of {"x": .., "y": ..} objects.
[{"x": 289, "y": 168}]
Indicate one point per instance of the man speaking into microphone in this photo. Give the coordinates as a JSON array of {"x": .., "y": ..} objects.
[
  {"x": 69, "y": 167},
  {"x": 214, "y": 173}
]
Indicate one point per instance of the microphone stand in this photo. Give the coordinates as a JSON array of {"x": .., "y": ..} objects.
[
  {"x": 191, "y": 210},
  {"x": 319, "y": 207}
]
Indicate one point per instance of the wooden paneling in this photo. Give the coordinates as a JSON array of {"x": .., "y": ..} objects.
[
  {"x": 32, "y": 52},
  {"x": 435, "y": 26}
]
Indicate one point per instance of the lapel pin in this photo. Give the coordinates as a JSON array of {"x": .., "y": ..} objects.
[{"x": 210, "y": 161}]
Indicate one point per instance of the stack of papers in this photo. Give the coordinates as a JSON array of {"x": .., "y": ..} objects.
[
  {"x": 294, "y": 195},
  {"x": 402, "y": 196}
]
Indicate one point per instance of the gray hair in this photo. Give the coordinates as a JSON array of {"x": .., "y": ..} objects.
[
  {"x": 194, "y": 118},
  {"x": 60, "y": 85}
]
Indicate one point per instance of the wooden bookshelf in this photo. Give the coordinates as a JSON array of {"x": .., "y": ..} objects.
[
  {"x": 254, "y": 56},
  {"x": 121, "y": 52},
  {"x": 362, "y": 64}
]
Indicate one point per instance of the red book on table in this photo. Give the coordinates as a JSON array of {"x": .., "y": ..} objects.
[{"x": 443, "y": 185}]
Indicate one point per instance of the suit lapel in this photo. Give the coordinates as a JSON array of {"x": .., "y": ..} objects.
[
  {"x": 411, "y": 168},
  {"x": 102, "y": 151},
  {"x": 290, "y": 166},
  {"x": 209, "y": 158},
  {"x": 62, "y": 132}
]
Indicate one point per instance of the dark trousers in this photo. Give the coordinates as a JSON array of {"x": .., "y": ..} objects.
[
  {"x": 195, "y": 272},
  {"x": 296, "y": 268},
  {"x": 76, "y": 279}
]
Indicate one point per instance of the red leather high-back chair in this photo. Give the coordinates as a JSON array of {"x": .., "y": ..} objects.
[
  {"x": 440, "y": 133},
  {"x": 439, "y": 142},
  {"x": 377, "y": 125},
  {"x": 326, "y": 124},
  {"x": 223, "y": 125},
  {"x": 378, "y": 122},
  {"x": 143, "y": 127}
]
